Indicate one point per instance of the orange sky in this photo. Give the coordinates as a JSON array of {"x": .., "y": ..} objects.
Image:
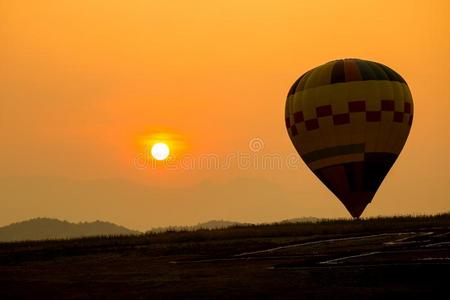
[{"x": 83, "y": 82}]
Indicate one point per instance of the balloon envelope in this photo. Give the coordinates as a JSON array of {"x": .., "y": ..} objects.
[{"x": 349, "y": 120}]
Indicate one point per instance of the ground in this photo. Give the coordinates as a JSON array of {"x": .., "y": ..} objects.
[{"x": 374, "y": 258}]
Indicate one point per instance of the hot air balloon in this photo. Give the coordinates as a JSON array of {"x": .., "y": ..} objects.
[{"x": 349, "y": 120}]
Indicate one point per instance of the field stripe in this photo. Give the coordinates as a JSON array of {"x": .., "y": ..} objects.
[
  {"x": 338, "y": 260},
  {"x": 319, "y": 242}
]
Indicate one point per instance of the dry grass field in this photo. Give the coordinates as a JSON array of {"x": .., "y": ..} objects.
[{"x": 379, "y": 258}]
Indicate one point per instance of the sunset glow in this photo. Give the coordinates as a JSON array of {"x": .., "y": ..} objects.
[
  {"x": 232, "y": 149},
  {"x": 93, "y": 85}
]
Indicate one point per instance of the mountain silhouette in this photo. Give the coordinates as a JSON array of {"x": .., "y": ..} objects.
[
  {"x": 47, "y": 228},
  {"x": 222, "y": 224},
  {"x": 217, "y": 224}
]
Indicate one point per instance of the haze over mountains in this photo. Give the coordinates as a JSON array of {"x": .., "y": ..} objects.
[
  {"x": 145, "y": 206},
  {"x": 141, "y": 206},
  {"x": 48, "y": 228}
]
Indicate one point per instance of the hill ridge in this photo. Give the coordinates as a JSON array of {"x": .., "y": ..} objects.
[{"x": 42, "y": 228}]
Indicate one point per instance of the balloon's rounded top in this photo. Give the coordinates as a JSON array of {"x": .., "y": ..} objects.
[{"x": 344, "y": 70}]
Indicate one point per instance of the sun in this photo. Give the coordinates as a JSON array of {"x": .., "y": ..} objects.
[{"x": 160, "y": 151}]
